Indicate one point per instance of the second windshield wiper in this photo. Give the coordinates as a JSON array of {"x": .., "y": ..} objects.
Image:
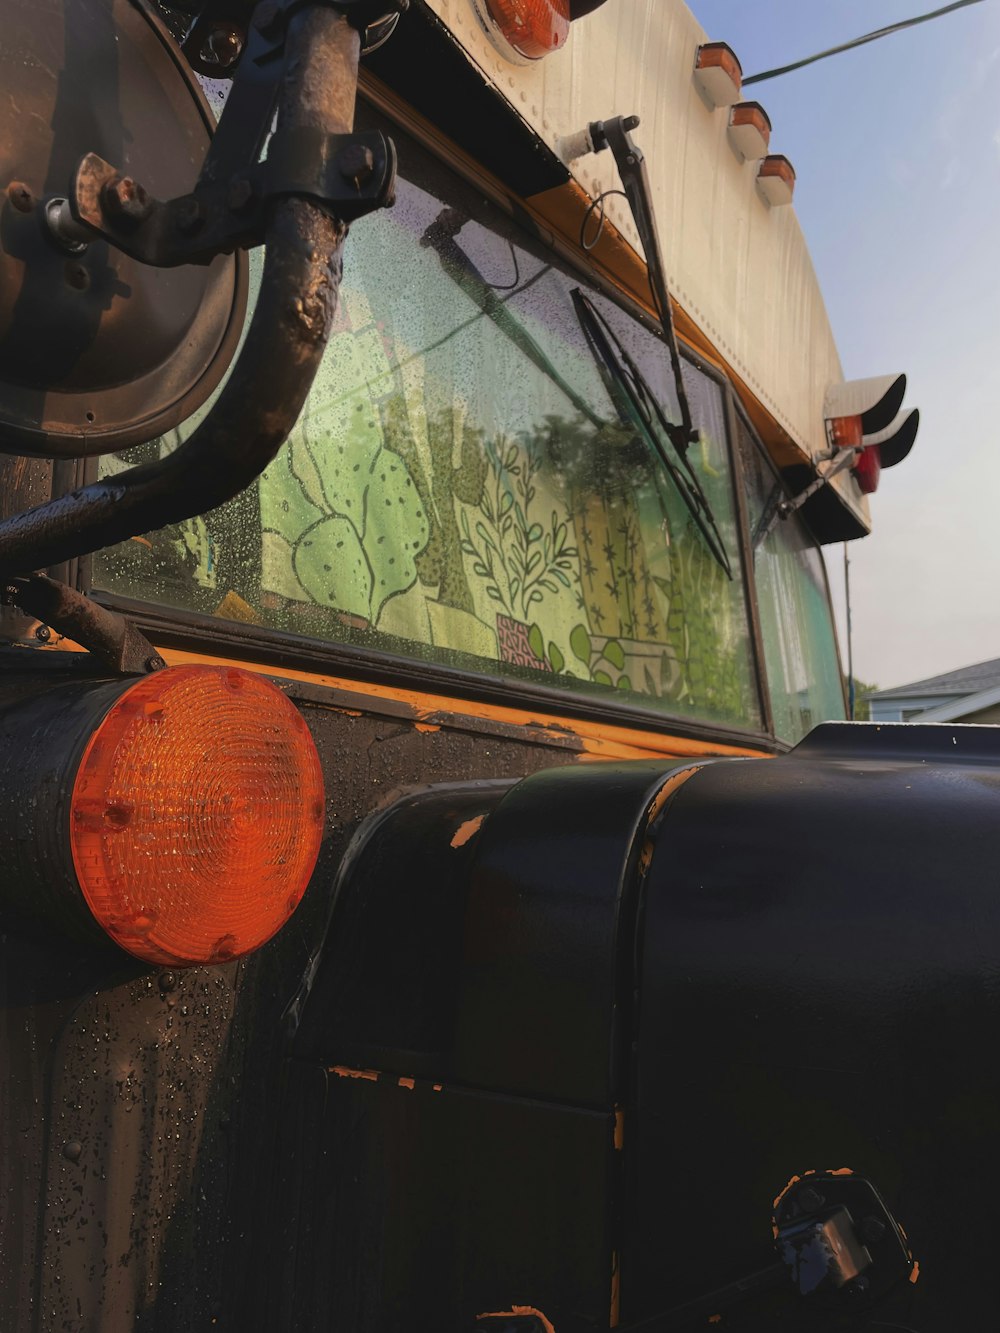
[{"x": 640, "y": 410}]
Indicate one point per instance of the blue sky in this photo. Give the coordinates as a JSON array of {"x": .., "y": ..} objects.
[{"x": 897, "y": 150}]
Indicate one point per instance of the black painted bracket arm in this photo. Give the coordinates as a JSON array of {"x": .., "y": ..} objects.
[
  {"x": 110, "y": 637},
  {"x": 267, "y": 388}
]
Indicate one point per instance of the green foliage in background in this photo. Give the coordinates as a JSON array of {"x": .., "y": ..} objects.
[{"x": 862, "y": 708}]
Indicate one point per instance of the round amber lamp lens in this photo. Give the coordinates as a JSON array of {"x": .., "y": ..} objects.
[
  {"x": 534, "y": 28},
  {"x": 196, "y": 815}
]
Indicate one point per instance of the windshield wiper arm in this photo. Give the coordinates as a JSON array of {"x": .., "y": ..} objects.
[
  {"x": 640, "y": 410},
  {"x": 631, "y": 164}
]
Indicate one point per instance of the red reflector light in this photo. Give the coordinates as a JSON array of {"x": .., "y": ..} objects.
[
  {"x": 196, "y": 815},
  {"x": 868, "y": 468},
  {"x": 534, "y": 28}
]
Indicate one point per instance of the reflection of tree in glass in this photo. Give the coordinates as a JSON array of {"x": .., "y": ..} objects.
[
  {"x": 520, "y": 557},
  {"x": 701, "y": 628},
  {"x": 439, "y": 564},
  {"x": 644, "y": 584},
  {"x": 604, "y": 470}
]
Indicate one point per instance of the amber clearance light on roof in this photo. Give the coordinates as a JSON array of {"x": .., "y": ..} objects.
[
  {"x": 844, "y": 432},
  {"x": 776, "y": 180},
  {"x": 749, "y": 130},
  {"x": 196, "y": 815},
  {"x": 718, "y": 74}
]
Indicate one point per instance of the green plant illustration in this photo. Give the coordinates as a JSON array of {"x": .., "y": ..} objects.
[
  {"x": 600, "y": 657},
  {"x": 552, "y": 655},
  {"x": 519, "y": 557},
  {"x": 371, "y": 525}
]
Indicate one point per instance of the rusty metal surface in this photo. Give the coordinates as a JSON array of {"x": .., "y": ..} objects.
[
  {"x": 350, "y": 175},
  {"x": 97, "y": 351},
  {"x": 115, "y": 641},
  {"x": 290, "y": 65},
  {"x": 24, "y": 482},
  {"x": 268, "y": 385}
]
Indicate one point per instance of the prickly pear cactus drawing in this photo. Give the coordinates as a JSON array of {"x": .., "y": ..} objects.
[
  {"x": 364, "y": 549},
  {"x": 356, "y": 522}
]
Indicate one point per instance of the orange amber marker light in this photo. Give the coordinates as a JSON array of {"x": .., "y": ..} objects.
[
  {"x": 845, "y": 432},
  {"x": 196, "y": 815},
  {"x": 534, "y": 28}
]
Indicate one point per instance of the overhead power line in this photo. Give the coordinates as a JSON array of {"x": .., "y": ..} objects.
[{"x": 859, "y": 41}]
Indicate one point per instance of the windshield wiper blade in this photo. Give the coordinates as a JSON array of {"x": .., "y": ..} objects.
[
  {"x": 441, "y": 237},
  {"x": 640, "y": 410}
]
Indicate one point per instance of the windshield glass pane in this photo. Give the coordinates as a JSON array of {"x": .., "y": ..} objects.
[
  {"x": 464, "y": 487},
  {"x": 800, "y": 649}
]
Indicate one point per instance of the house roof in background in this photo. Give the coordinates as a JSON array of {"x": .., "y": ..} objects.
[
  {"x": 959, "y": 708},
  {"x": 965, "y": 680}
]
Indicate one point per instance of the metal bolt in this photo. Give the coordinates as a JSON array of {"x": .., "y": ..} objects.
[
  {"x": 73, "y": 1150},
  {"x": 189, "y": 215},
  {"x": 168, "y": 981},
  {"x": 124, "y": 198},
  {"x": 63, "y": 228},
  {"x": 20, "y": 196},
  {"x": 222, "y": 48},
  {"x": 238, "y": 195},
  {"x": 356, "y": 163},
  {"x": 78, "y": 277},
  {"x": 155, "y": 663},
  {"x": 43, "y": 633}
]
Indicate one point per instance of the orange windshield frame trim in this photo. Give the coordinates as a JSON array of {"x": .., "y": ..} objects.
[{"x": 429, "y": 712}]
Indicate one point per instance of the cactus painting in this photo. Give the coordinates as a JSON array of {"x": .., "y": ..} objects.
[{"x": 355, "y": 523}]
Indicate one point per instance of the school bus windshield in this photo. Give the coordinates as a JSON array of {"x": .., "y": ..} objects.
[{"x": 463, "y": 488}]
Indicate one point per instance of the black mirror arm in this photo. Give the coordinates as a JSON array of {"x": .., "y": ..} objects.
[{"x": 265, "y": 392}]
